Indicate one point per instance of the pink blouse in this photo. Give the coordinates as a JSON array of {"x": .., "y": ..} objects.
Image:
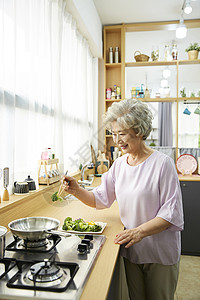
[{"x": 144, "y": 192}]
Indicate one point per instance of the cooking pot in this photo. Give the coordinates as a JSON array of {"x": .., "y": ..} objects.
[
  {"x": 31, "y": 183},
  {"x": 3, "y": 232},
  {"x": 35, "y": 228},
  {"x": 21, "y": 187}
]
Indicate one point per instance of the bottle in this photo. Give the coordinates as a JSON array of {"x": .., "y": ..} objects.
[
  {"x": 174, "y": 52},
  {"x": 45, "y": 154},
  {"x": 115, "y": 91},
  {"x": 49, "y": 153},
  {"x": 116, "y": 55},
  {"x": 110, "y": 55},
  {"x": 167, "y": 53}
]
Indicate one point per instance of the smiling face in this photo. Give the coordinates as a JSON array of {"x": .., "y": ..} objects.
[{"x": 126, "y": 139}]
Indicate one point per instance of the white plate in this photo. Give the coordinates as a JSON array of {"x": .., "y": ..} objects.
[
  {"x": 103, "y": 225},
  {"x": 186, "y": 163}
]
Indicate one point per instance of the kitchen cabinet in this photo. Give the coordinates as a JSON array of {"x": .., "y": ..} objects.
[
  {"x": 114, "y": 73},
  {"x": 191, "y": 207}
]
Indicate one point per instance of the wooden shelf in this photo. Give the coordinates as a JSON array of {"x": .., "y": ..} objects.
[
  {"x": 162, "y": 63},
  {"x": 115, "y": 73},
  {"x": 171, "y": 99},
  {"x": 48, "y": 180},
  {"x": 113, "y": 65}
]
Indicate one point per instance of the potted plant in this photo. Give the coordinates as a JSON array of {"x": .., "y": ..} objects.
[{"x": 193, "y": 51}]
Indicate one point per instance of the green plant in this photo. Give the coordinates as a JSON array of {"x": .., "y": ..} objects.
[
  {"x": 192, "y": 95},
  {"x": 182, "y": 92},
  {"x": 194, "y": 46}
]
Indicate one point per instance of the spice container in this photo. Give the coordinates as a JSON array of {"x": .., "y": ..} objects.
[
  {"x": 108, "y": 93},
  {"x": 110, "y": 55},
  {"x": 167, "y": 53},
  {"x": 174, "y": 52},
  {"x": 118, "y": 92}
]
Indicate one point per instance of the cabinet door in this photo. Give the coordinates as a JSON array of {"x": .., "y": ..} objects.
[{"x": 191, "y": 208}]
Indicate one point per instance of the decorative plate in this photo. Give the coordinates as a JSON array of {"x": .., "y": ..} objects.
[{"x": 186, "y": 164}]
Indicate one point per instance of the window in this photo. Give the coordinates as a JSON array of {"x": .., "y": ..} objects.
[{"x": 47, "y": 87}]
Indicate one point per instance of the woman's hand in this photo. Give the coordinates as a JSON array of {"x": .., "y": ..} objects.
[
  {"x": 71, "y": 185},
  {"x": 135, "y": 235},
  {"x": 129, "y": 236}
]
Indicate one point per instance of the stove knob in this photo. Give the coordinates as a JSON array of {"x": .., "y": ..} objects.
[
  {"x": 89, "y": 237},
  {"x": 82, "y": 248},
  {"x": 86, "y": 241}
]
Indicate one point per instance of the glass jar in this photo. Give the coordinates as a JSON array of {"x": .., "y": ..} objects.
[
  {"x": 167, "y": 53},
  {"x": 155, "y": 53},
  {"x": 174, "y": 52}
]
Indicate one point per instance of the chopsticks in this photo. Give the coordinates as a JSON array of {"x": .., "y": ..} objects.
[{"x": 62, "y": 187}]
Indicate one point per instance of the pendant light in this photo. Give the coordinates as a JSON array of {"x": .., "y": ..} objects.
[
  {"x": 181, "y": 30},
  {"x": 188, "y": 7}
]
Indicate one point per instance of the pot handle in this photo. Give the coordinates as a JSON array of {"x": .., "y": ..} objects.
[
  {"x": 64, "y": 234},
  {"x": 15, "y": 183}
]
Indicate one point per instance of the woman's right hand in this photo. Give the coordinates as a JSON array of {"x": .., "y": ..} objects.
[{"x": 71, "y": 185}]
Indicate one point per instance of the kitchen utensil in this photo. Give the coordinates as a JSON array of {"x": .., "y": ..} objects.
[
  {"x": 33, "y": 228},
  {"x": 62, "y": 187},
  {"x": 5, "y": 184},
  {"x": 21, "y": 188},
  {"x": 141, "y": 57},
  {"x": 186, "y": 164},
  {"x": 31, "y": 183},
  {"x": 3, "y": 232}
]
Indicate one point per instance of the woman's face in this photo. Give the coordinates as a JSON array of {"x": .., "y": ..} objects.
[{"x": 126, "y": 139}]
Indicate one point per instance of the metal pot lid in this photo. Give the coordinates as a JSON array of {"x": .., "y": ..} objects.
[
  {"x": 29, "y": 179},
  {"x": 3, "y": 230}
]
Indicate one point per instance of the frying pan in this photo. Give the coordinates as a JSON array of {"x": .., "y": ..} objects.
[{"x": 35, "y": 228}]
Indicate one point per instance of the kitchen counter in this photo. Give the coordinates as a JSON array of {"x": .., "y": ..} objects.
[{"x": 40, "y": 204}]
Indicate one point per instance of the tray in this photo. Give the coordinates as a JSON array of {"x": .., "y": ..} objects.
[
  {"x": 103, "y": 225},
  {"x": 186, "y": 164}
]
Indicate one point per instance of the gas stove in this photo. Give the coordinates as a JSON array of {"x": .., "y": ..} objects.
[{"x": 54, "y": 268}]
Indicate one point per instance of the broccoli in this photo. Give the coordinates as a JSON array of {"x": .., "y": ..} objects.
[
  {"x": 55, "y": 197},
  {"x": 80, "y": 225}
]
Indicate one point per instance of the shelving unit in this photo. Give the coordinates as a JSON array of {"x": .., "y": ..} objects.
[
  {"x": 46, "y": 179},
  {"x": 115, "y": 73}
]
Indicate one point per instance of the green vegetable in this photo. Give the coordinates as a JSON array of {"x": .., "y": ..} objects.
[
  {"x": 80, "y": 225},
  {"x": 55, "y": 197}
]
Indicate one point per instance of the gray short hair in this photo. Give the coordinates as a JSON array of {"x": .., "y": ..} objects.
[{"x": 128, "y": 114}]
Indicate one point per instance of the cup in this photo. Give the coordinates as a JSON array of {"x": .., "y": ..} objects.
[
  {"x": 186, "y": 111},
  {"x": 197, "y": 111}
]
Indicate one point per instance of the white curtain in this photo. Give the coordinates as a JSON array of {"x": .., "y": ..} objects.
[{"x": 48, "y": 88}]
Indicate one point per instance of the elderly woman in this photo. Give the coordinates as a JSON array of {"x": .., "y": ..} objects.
[{"x": 145, "y": 184}]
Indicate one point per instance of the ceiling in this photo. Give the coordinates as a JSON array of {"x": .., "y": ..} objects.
[{"x": 132, "y": 11}]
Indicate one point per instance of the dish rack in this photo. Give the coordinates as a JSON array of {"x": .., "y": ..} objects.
[{"x": 49, "y": 176}]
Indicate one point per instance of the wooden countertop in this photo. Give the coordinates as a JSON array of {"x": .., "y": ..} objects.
[{"x": 40, "y": 204}]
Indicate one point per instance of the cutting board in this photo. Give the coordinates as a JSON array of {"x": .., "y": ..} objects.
[{"x": 102, "y": 167}]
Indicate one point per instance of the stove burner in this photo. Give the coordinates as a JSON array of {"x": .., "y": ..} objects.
[
  {"x": 45, "y": 272},
  {"x": 43, "y": 276},
  {"x": 45, "y": 245},
  {"x": 33, "y": 244}
]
